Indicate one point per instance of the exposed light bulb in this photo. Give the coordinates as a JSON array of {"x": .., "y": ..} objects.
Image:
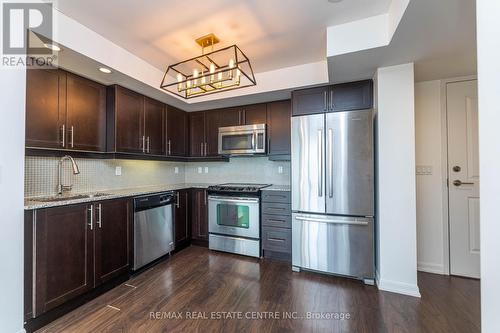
[
  {"x": 231, "y": 63},
  {"x": 195, "y": 76},
  {"x": 179, "y": 80},
  {"x": 212, "y": 71}
]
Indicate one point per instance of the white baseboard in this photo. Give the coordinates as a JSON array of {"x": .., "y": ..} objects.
[
  {"x": 397, "y": 287},
  {"x": 431, "y": 268}
]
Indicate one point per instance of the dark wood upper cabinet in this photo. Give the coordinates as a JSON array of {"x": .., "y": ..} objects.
[
  {"x": 197, "y": 134},
  {"x": 177, "y": 132},
  {"x": 113, "y": 221},
  {"x": 154, "y": 126},
  {"x": 279, "y": 127},
  {"x": 136, "y": 123},
  {"x": 64, "y": 255},
  {"x": 125, "y": 121},
  {"x": 212, "y": 124},
  {"x": 310, "y": 101},
  {"x": 255, "y": 114},
  {"x": 45, "y": 108},
  {"x": 181, "y": 218},
  {"x": 352, "y": 96},
  {"x": 199, "y": 215},
  {"x": 339, "y": 97},
  {"x": 85, "y": 114},
  {"x": 229, "y": 117}
]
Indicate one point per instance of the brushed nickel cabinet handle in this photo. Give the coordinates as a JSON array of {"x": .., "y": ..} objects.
[
  {"x": 201, "y": 148},
  {"x": 205, "y": 149},
  {"x": 72, "y": 136},
  {"x": 281, "y": 240},
  {"x": 148, "y": 143},
  {"x": 63, "y": 128},
  {"x": 169, "y": 151},
  {"x": 91, "y": 213},
  {"x": 99, "y": 221},
  {"x": 177, "y": 201},
  {"x": 331, "y": 100},
  {"x": 143, "y": 144}
]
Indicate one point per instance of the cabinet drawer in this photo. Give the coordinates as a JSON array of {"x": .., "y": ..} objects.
[
  {"x": 277, "y": 239},
  {"x": 276, "y": 208},
  {"x": 276, "y": 196},
  {"x": 280, "y": 221}
]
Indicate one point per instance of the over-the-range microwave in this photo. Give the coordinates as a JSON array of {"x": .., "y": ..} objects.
[{"x": 242, "y": 140}]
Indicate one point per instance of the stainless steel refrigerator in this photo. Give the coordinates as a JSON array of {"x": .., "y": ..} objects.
[{"x": 333, "y": 194}]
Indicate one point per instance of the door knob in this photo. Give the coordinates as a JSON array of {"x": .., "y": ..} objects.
[
  {"x": 456, "y": 168},
  {"x": 459, "y": 183}
]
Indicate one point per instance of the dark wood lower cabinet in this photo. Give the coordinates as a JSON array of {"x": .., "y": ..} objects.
[
  {"x": 76, "y": 248},
  {"x": 199, "y": 217},
  {"x": 182, "y": 226},
  {"x": 113, "y": 248},
  {"x": 63, "y": 255}
]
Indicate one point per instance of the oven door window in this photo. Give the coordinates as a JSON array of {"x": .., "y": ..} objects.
[
  {"x": 232, "y": 215},
  {"x": 237, "y": 142}
]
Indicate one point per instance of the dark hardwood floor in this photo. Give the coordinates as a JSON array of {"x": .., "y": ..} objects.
[{"x": 203, "y": 283}]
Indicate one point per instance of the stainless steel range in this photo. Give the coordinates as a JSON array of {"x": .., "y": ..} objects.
[{"x": 234, "y": 218}]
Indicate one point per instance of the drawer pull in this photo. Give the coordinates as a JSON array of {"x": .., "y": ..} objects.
[
  {"x": 277, "y": 221},
  {"x": 281, "y": 240}
]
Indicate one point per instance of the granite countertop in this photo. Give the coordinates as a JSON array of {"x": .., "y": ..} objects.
[
  {"x": 277, "y": 188},
  {"x": 31, "y": 203}
]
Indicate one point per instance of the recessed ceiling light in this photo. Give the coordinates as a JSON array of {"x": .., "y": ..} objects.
[
  {"x": 334, "y": 1},
  {"x": 51, "y": 46},
  {"x": 105, "y": 70}
]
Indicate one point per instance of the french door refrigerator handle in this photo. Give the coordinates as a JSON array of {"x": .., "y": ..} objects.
[
  {"x": 320, "y": 161},
  {"x": 312, "y": 219},
  {"x": 330, "y": 163},
  {"x": 325, "y": 96}
]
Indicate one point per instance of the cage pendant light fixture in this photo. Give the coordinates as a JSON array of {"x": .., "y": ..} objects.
[{"x": 211, "y": 72}]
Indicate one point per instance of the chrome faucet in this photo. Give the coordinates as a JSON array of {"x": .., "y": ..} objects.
[{"x": 60, "y": 186}]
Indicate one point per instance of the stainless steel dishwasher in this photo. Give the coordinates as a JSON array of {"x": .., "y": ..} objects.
[{"x": 153, "y": 227}]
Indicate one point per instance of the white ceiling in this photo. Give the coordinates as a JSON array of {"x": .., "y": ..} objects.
[
  {"x": 438, "y": 36},
  {"x": 273, "y": 33}
]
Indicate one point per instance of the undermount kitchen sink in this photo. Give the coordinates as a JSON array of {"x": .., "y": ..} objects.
[{"x": 72, "y": 197}]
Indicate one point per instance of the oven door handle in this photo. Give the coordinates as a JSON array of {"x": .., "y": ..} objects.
[{"x": 233, "y": 199}]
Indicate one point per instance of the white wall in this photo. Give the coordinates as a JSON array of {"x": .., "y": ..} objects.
[
  {"x": 488, "y": 29},
  {"x": 430, "y": 198},
  {"x": 12, "y": 106},
  {"x": 396, "y": 194}
]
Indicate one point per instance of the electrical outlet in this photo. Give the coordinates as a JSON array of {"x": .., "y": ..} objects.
[
  {"x": 200, "y": 170},
  {"x": 176, "y": 169},
  {"x": 118, "y": 171},
  {"x": 206, "y": 169},
  {"x": 280, "y": 169}
]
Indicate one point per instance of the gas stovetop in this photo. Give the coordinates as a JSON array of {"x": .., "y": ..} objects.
[{"x": 237, "y": 188}]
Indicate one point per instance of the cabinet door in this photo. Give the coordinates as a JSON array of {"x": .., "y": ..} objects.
[
  {"x": 212, "y": 123},
  {"x": 199, "y": 215},
  {"x": 45, "y": 108},
  {"x": 255, "y": 114},
  {"x": 181, "y": 218},
  {"x": 352, "y": 96},
  {"x": 63, "y": 254},
  {"x": 85, "y": 114},
  {"x": 154, "y": 124},
  {"x": 278, "y": 127},
  {"x": 196, "y": 134},
  {"x": 310, "y": 101},
  {"x": 113, "y": 220},
  {"x": 177, "y": 129},
  {"x": 129, "y": 121},
  {"x": 230, "y": 117}
]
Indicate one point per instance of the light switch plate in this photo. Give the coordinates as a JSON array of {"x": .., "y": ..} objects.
[
  {"x": 280, "y": 169},
  {"x": 424, "y": 170},
  {"x": 118, "y": 171},
  {"x": 200, "y": 170},
  {"x": 176, "y": 169}
]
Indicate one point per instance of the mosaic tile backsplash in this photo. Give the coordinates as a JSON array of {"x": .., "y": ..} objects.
[{"x": 99, "y": 175}]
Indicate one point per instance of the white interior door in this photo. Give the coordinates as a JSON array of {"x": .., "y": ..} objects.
[{"x": 463, "y": 176}]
